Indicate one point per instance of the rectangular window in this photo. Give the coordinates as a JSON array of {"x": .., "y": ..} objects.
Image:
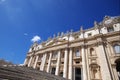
[
  {"x": 117, "y": 48},
  {"x": 77, "y": 53},
  {"x": 89, "y": 34},
  {"x": 53, "y": 62},
  {"x": 110, "y": 29},
  {"x": 54, "y": 56}
]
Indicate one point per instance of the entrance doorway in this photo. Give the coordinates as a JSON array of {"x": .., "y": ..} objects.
[
  {"x": 53, "y": 70},
  {"x": 78, "y": 74},
  {"x": 118, "y": 68},
  {"x": 61, "y": 74}
]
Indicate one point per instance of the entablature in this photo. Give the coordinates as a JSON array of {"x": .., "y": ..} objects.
[{"x": 92, "y": 41}]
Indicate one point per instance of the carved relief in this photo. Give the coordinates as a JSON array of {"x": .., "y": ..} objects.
[{"x": 95, "y": 71}]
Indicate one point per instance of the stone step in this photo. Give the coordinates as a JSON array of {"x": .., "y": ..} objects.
[{"x": 25, "y": 73}]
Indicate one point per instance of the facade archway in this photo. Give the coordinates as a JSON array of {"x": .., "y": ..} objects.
[{"x": 118, "y": 67}]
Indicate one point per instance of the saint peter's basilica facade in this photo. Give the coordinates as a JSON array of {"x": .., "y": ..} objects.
[{"x": 91, "y": 54}]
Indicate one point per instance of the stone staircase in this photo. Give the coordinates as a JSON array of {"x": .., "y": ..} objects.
[{"x": 25, "y": 73}]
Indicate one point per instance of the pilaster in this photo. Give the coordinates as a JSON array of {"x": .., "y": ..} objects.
[
  {"x": 43, "y": 62},
  {"x": 106, "y": 75},
  {"x": 36, "y": 61},
  {"x": 84, "y": 63},
  {"x": 58, "y": 64},
  {"x": 70, "y": 64},
  {"x": 49, "y": 62},
  {"x": 87, "y": 63},
  {"x": 65, "y": 63},
  {"x": 30, "y": 61}
]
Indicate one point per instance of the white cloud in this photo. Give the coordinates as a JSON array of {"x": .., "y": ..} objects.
[
  {"x": 25, "y": 34},
  {"x": 35, "y": 38}
]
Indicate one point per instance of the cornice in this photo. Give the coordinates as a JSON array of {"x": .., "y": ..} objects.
[
  {"x": 99, "y": 25},
  {"x": 112, "y": 33},
  {"x": 97, "y": 40}
]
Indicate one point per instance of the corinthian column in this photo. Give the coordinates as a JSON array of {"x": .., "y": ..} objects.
[
  {"x": 106, "y": 75},
  {"x": 58, "y": 64},
  {"x": 36, "y": 61},
  {"x": 65, "y": 64},
  {"x": 49, "y": 62},
  {"x": 43, "y": 62},
  {"x": 30, "y": 61},
  {"x": 70, "y": 65},
  {"x": 84, "y": 64}
]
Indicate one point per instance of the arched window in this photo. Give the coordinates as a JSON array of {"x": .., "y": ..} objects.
[
  {"x": 77, "y": 53},
  {"x": 117, "y": 48}
]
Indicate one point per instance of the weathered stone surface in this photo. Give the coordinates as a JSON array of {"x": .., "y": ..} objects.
[
  {"x": 25, "y": 73},
  {"x": 3, "y": 62}
]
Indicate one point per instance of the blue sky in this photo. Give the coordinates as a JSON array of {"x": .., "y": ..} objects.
[{"x": 20, "y": 20}]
